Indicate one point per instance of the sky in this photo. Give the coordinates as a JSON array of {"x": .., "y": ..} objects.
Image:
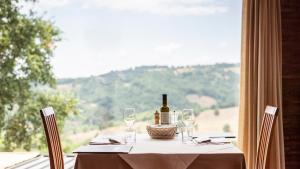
[{"x": 99, "y": 36}]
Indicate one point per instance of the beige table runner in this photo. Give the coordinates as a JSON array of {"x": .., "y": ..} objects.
[{"x": 166, "y": 154}]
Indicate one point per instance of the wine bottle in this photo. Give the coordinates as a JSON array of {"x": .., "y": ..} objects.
[{"x": 164, "y": 111}]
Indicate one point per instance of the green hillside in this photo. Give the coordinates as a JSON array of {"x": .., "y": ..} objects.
[{"x": 103, "y": 98}]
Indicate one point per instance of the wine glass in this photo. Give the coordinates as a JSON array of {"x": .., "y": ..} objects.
[
  {"x": 129, "y": 117},
  {"x": 188, "y": 117}
]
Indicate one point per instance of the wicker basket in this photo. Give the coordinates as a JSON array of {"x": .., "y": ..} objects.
[{"x": 162, "y": 131}]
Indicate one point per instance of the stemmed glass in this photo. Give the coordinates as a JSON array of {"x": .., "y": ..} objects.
[
  {"x": 129, "y": 119},
  {"x": 188, "y": 117},
  {"x": 188, "y": 120}
]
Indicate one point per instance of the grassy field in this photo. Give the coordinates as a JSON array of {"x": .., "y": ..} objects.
[{"x": 209, "y": 122}]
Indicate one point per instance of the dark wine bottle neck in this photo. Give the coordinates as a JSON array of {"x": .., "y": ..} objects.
[{"x": 165, "y": 100}]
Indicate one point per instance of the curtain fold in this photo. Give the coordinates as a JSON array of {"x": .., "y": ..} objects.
[{"x": 261, "y": 78}]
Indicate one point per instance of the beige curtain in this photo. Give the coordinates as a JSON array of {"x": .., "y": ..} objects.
[{"x": 260, "y": 78}]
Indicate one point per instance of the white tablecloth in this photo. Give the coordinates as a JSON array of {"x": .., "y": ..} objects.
[{"x": 148, "y": 153}]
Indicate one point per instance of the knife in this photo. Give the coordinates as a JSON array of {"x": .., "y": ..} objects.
[
  {"x": 222, "y": 137},
  {"x": 217, "y": 137}
]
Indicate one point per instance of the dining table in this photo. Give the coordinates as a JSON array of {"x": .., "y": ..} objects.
[{"x": 148, "y": 153}]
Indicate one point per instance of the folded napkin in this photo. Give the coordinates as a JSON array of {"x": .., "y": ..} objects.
[
  {"x": 105, "y": 141},
  {"x": 202, "y": 140},
  {"x": 220, "y": 140}
]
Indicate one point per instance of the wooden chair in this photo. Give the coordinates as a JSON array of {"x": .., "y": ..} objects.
[
  {"x": 53, "y": 141},
  {"x": 267, "y": 126}
]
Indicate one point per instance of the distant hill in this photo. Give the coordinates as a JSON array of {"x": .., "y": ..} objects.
[{"x": 104, "y": 97}]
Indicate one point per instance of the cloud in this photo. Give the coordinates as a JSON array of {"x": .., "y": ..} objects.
[
  {"x": 167, "y": 48},
  {"x": 156, "y": 7},
  {"x": 53, "y": 3},
  {"x": 162, "y": 7}
]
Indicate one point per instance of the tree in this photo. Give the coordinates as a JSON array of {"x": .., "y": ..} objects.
[
  {"x": 226, "y": 128},
  {"x": 26, "y": 45},
  {"x": 24, "y": 129},
  {"x": 216, "y": 112}
]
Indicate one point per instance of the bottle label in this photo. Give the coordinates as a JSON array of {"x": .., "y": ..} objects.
[{"x": 165, "y": 118}]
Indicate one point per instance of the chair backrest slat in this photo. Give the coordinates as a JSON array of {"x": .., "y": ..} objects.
[
  {"x": 53, "y": 140},
  {"x": 267, "y": 126}
]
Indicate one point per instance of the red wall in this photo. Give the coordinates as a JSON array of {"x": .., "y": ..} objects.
[{"x": 290, "y": 14}]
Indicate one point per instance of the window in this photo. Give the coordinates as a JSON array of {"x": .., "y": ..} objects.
[{"x": 118, "y": 54}]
